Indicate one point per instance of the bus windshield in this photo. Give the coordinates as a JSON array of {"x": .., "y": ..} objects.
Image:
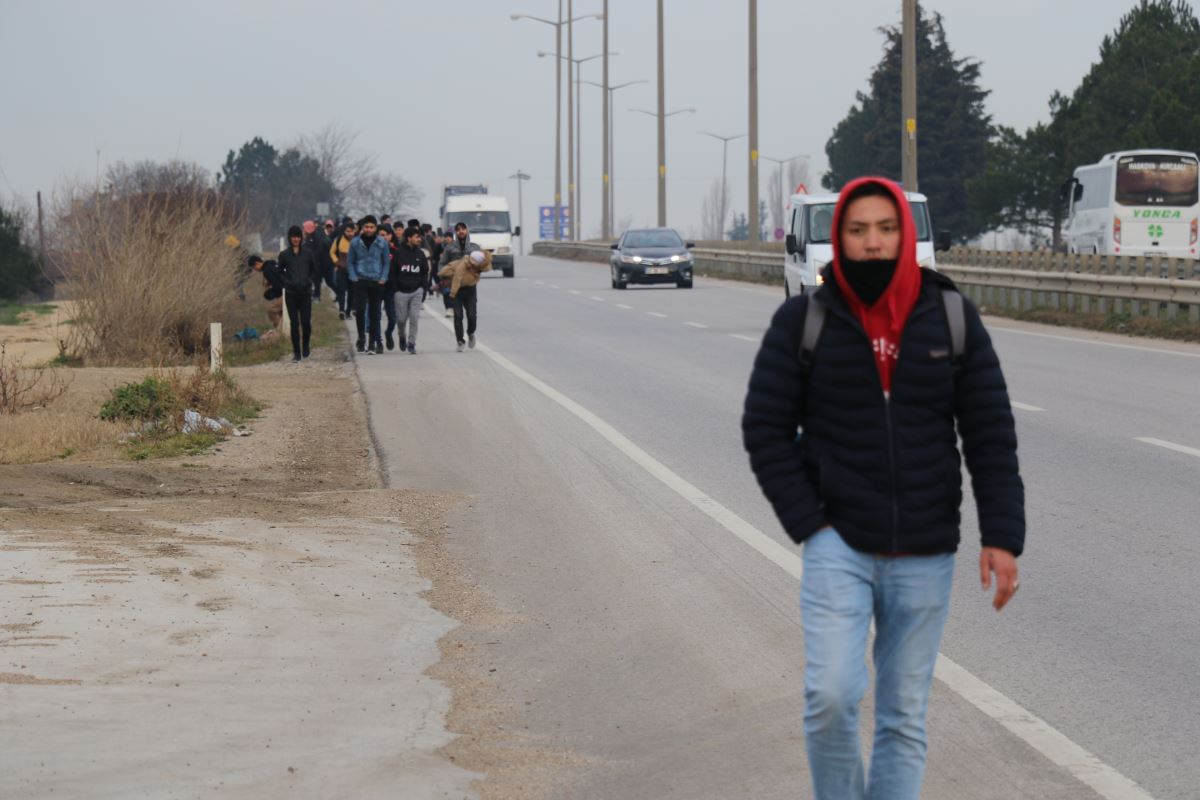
[
  {"x": 480, "y": 221},
  {"x": 819, "y": 222},
  {"x": 1158, "y": 180}
]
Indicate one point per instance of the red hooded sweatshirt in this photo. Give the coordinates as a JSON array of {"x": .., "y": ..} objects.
[{"x": 885, "y": 320}]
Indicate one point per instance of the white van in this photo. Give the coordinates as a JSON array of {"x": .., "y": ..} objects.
[
  {"x": 489, "y": 224},
  {"x": 810, "y": 239},
  {"x": 1135, "y": 203}
]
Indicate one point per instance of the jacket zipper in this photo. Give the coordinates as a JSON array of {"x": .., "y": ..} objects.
[{"x": 887, "y": 416}]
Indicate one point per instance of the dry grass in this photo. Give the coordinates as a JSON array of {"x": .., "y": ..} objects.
[
  {"x": 24, "y": 388},
  {"x": 149, "y": 273}
]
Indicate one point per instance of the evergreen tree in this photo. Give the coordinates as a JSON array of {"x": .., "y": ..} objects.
[
  {"x": 953, "y": 129},
  {"x": 18, "y": 265}
]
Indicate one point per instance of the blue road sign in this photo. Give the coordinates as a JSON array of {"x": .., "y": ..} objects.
[{"x": 546, "y": 221}]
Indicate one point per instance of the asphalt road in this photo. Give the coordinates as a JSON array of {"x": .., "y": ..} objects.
[{"x": 666, "y": 653}]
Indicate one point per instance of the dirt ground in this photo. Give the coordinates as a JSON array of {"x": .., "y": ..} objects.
[
  {"x": 35, "y": 341},
  {"x": 116, "y": 576}
]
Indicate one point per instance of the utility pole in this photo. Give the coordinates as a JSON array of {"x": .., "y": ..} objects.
[
  {"x": 558, "y": 126},
  {"x": 520, "y": 178},
  {"x": 752, "y": 213},
  {"x": 610, "y": 154},
  {"x": 41, "y": 237},
  {"x": 570, "y": 121},
  {"x": 605, "y": 219},
  {"x": 662, "y": 128},
  {"x": 908, "y": 97}
]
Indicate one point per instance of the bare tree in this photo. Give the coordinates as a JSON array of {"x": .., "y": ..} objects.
[
  {"x": 775, "y": 197},
  {"x": 151, "y": 177},
  {"x": 383, "y": 194},
  {"x": 712, "y": 212},
  {"x": 332, "y": 147}
]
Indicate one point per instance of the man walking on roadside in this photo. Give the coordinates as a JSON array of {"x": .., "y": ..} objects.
[
  {"x": 466, "y": 298},
  {"x": 877, "y": 367},
  {"x": 297, "y": 264},
  {"x": 367, "y": 267},
  {"x": 339, "y": 255},
  {"x": 412, "y": 278}
]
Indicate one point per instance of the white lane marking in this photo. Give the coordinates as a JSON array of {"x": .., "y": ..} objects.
[
  {"x": 744, "y": 338},
  {"x": 1178, "y": 448},
  {"x": 656, "y": 314},
  {"x": 695, "y": 324},
  {"x": 540, "y": 283},
  {"x": 622, "y": 305},
  {"x": 1024, "y": 406},
  {"x": 574, "y": 291},
  {"x": 1183, "y": 353},
  {"x": 555, "y": 286},
  {"x": 1022, "y": 723},
  {"x": 598, "y": 299}
]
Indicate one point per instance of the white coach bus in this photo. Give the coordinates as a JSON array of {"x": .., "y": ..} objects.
[{"x": 1136, "y": 203}]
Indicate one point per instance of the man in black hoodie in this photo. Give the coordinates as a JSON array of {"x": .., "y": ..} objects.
[
  {"x": 411, "y": 277},
  {"x": 297, "y": 265}
]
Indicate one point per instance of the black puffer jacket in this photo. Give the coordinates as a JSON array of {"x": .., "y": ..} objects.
[
  {"x": 297, "y": 269},
  {"x": 885, "y": 472}
]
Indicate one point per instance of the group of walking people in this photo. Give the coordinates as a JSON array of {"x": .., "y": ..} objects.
[{"x": 377, "y": 271}]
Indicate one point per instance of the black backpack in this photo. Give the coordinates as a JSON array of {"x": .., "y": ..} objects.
[{"x": 814, "y": 323}]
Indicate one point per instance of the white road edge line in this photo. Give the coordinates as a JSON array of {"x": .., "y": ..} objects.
[
  {"x": 1024, "y": 406},
  {"x": 1025, "y": 725},
  {"x": 656, "y": 314},
  {"x": 1093, "y": 341},
  {"x": 695, "y": 324},
  {"x": 744, "y": 338},
  {"x": 1178, "y": 448}
]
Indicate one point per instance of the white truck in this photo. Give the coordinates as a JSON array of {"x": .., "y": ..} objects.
[
  {"x": 809, "y": 240},
  {"x": 489, "y": 223}
]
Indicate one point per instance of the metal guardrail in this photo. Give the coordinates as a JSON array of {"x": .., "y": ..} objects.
[{"x": 1136, "y": 285}]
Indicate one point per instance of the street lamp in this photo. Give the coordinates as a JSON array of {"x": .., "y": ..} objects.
[
  {"x": 783, "y": 187},
  {"x": 557, "y": 25},
  {"x": 576, "y": 202},
  {"x": 725, "y": 140},
  {"x": 662, "y": 154},
  {"x": 610, "y": 194}
]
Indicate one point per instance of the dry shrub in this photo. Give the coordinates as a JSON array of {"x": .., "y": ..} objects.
[
  {"x": 149, "y": 272},
  {"x": 23, "y": 388}
]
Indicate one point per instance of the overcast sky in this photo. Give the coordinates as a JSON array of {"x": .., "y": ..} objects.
[{"x": 452, "y": 91}]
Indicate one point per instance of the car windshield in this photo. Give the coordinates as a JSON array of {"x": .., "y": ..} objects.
[
  {"x": 1158, "y": 181},
  {"x": 819, "y": 222},
  {"x": 639, "y": 239},
  {"x": 480, "y": 221}
]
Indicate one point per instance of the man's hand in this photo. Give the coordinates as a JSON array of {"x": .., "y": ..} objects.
[{"x": 1004, "y": 564}]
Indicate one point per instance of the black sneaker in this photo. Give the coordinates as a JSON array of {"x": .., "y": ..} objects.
[
  {"x": 296, "y": 358},
  {"x": 391, "y": 343},
  {"x": 360, "y": 345},
  {"x": 378, "y": 348},
  {"x": 306, "y": 352},
  {"x": 341, "y": 315},
  {"x": 403, "y": 343},
  {"x": 412, "y": 348}
]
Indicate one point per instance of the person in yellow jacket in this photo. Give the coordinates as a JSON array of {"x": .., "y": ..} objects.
[
  {"x": 339, "y": 254},
  {"x": 463, "y": 274}
]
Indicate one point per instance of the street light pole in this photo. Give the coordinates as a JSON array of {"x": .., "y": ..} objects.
[
  {"x": 782, "y": 186},
  {"x": 570, "y": 122},
  {"x": 520, "y": 178},
  {"x": 610, "y": 154},
  {"x": 725, "y": 140},
  {"x": 908, "y": 97},
  {"x": 605, "y": 219},
  {"x": 662, "y": 128},
  {"x": 557, "y": 105},
  {"x": 752, "y": 214}
]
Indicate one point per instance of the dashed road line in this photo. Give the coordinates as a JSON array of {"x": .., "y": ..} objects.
[
  {"x": 1178, "y": 448},
  {"x": 744, "y": 338},
  {"x": 695, "y": 325},
  {"x": 1024, "y": 406},
  {"x": 597, "y": 299},
  {"x": 622, "y": 305},
  {"x": 656, "y": 314},
  {"x": 574, "y": 291}
]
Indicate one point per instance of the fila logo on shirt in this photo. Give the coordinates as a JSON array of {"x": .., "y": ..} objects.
[
  {"x": 410, "y": 267},
  {"x": 885, "y": 349}
]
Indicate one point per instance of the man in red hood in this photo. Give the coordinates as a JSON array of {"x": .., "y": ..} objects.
[{"x": 872, "y": 486}]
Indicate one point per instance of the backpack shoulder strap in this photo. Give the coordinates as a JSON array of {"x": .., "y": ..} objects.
[
  {"x": 814, "y": 323},
  {"x": 956, "y": 321}
]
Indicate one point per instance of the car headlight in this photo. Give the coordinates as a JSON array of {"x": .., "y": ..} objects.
[
  {"x": 503, "y": 251},
  {"x": 631, "y": 259}
]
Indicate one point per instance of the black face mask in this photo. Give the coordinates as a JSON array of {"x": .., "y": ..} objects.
[
  {"x": 869, "y": 279},
  {"x": 369, "y": 240}
]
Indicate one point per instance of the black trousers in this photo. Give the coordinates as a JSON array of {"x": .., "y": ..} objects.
[
  {"x": 368, "y": 297},
  {"x": 316, "y": 283},
  {"x": 299, "y": 309},
  {"x": 389, "y": 310},
  {"x": 466, "y": 300},
  {"x": 342, "y": 290}
]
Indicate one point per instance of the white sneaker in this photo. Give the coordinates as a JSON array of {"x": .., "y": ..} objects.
[
  {"x": 448, "y": 313},
  {"x": 460, "y": 347},
  {"x": 471, "y": 341}
]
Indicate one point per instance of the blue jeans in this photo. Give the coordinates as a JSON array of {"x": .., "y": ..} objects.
[{"x": 909, "y": 597}]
